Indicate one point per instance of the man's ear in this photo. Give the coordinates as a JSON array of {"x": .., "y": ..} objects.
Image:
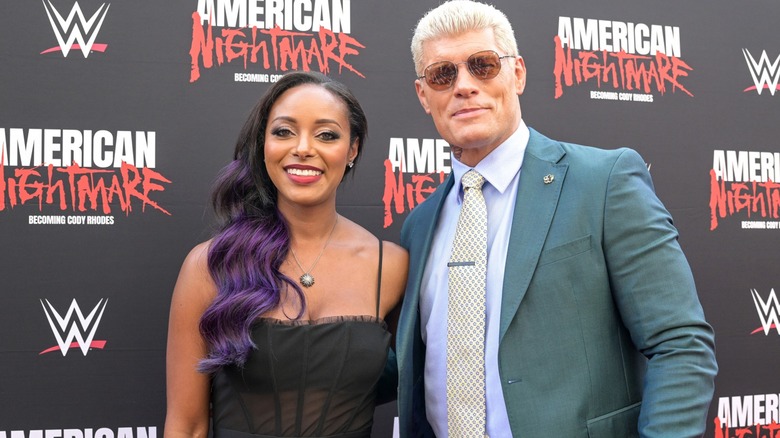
[
  {"x": 520, "y": 75},
  {"x": 418, "y": 87}
]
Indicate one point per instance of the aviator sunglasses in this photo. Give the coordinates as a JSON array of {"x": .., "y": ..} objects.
[{"x": 482, "y": 65}]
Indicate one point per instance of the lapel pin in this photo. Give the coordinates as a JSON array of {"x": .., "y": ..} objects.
[{"x": 549, "y": 178}]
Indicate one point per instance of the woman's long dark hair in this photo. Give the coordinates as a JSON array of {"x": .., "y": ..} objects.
[{"x": 253, "y": 239}]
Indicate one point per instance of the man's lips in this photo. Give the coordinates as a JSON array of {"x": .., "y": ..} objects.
[{"x": 467, "y": 111}]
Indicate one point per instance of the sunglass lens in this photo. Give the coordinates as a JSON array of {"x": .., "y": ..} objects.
[
  {"x": 484, "y": 65},
  {"x": 440, "y": 75}
]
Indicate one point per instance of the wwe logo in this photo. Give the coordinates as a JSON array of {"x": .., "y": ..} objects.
[
  {"x": 768, "y": 311},
  {"x": 69, "y": 329},
  {"x": 765, "y": 73},
  {"x": 68, "y": 32}
]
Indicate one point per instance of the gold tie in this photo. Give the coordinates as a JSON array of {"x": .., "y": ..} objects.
[{"x": 466, "y": 315}]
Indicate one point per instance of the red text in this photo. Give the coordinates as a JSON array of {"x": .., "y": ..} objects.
[
  {"x": 758, "y": 431},
  {"x": 83, "y": 188},
  {"x": 402, "y": 193},
  {"x": 760, "y": 199},
  {"x": 621, "y": 70},
  {"x": 286, "y": 49}
]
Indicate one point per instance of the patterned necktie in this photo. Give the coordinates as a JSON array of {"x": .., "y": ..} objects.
[{"x": 466, "y": 315}]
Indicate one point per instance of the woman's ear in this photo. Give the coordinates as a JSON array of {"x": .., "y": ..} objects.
[{"x": 353, "y": 150}]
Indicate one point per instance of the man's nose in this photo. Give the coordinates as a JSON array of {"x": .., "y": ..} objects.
[{"x": 465, "y": 83}]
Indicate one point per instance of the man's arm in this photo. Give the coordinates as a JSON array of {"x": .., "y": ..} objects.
[{"x": 653, "y": 287}]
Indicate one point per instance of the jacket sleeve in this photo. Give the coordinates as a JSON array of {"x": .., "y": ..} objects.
[
  {"x": 387, "y": 388},
  {"x": 654, "y": 289}
]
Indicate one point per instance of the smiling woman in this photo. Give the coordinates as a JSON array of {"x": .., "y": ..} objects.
[
  {"x": 308, "y": 146},
  {"x": 248, "y": 319}
]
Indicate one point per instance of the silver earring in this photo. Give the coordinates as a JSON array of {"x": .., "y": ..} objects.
[{"x": 351, "y": 163}]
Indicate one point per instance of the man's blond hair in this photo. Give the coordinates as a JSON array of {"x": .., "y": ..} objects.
[{"x": 457, "y": 17}]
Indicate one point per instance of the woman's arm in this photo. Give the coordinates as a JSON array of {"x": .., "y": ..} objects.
[
  {"x": 395, "y": 266},
  {"x": 187, "y": 389}
]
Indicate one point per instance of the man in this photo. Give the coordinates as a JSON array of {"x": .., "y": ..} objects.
[{"x": 592, "y": 324}]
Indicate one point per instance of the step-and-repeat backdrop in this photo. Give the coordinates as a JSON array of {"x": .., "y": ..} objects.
[{"x": 116, "y": 116}]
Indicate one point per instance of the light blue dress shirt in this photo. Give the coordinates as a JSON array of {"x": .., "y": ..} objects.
[{"x": 501, "y": 169}]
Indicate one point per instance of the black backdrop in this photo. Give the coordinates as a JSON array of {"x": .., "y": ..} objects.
[{"x": 91, "y": 247}]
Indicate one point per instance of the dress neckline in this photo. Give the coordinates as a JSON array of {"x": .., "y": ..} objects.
[{"x": 338, "y": 319}]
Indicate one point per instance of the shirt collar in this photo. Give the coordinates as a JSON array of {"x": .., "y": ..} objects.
[{"x": 501, "y": 165}]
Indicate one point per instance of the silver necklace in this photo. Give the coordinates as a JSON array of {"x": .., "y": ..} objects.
[{"x": 307, "y": 280}]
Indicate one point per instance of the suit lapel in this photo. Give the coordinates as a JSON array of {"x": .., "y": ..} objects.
[
  {"x": 410, "y": 348},
  {"x": 419, "y": 245},
  {"x": 424, "y": 235},
  {"x": 537, "y": 199}
]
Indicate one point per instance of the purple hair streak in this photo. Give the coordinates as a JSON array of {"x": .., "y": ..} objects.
[{"x": 243, "y": 260}]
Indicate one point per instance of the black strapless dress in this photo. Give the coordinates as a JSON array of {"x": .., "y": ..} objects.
[{"x": 305, "y": 379}]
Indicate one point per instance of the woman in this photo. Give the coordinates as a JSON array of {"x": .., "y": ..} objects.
[{"x": 278, "y": 321}]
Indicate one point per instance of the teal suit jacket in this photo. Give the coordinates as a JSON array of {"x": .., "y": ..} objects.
[{"x": 602, "y": 333}]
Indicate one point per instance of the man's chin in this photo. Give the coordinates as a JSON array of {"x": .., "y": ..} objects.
[{"x": 476, "y": 139}]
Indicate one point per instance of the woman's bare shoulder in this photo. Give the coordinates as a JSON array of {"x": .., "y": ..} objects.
[{"x": 194, "y": 277}]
